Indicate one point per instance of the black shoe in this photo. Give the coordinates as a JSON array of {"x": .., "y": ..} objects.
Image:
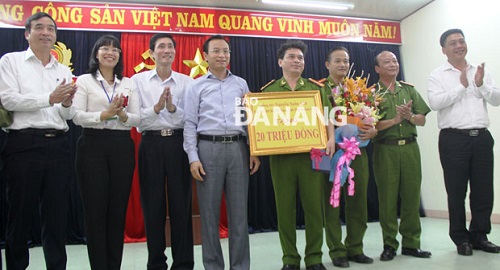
[
  {"x": 415, "y": 252},
  {"x": 341, "y": 262},
  {"x": 290, "y": 267},
  {"x": 486, "y": 246},
  {"x": 388, "y": 254},
  {"x": 318, "y": 266},
  {"x": 464, "y": 249},
  {"x": 360, "y": 258}
]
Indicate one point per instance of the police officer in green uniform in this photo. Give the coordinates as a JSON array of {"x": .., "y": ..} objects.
[
  {"x": 292, "y": 172},
  {"x": 356, "y": 211},
  {"x": 396, "y": 160}
]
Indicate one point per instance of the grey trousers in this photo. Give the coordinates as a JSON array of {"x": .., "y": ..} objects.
[{"x": 227, "y": 171}]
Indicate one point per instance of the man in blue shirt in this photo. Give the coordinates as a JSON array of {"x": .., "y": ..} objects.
[{"x": 218, "y": 155}]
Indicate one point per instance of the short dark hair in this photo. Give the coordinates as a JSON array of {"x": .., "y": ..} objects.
[
  {"x": 105, "y": 40},
  {"x": 291, "y": 44},
  {"x": 336, "y": 48},
  {"x": 37, "y": 16},
  {"x": 216, "y": 37},
  {"x": 447, "y": 33},
  {"x": 155, "y": 37}
]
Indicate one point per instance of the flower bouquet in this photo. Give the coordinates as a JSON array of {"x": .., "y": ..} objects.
[
  {"x": 355, "y": 99},
  {"x": 357, "y": 104}
]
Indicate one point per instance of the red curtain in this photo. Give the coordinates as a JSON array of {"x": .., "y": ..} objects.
[
  {"x": 135, "y": 48},
  {"x": 133, "y": 45}
]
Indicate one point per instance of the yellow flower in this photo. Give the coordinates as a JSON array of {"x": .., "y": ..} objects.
[
  {"x": 360, "y": 99},
  {"x": 356, "y": 107}
]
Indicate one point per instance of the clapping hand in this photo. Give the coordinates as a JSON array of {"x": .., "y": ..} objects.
[
  {"x": 164, "y": 100},
  {"x": 479, "y": 76},
  {"x": 404, "y": 111},
  {"x": 63, "y": 93}
]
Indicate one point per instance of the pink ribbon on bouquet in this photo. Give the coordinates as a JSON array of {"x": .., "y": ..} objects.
[
  {"x": 351, "y": 149},
  {"x": 316, "y": 155}
]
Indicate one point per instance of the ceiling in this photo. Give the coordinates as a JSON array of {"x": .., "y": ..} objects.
[{"x": 395, "y": 10}]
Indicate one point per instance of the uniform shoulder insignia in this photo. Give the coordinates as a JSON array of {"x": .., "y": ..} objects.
[
  {"x": 316, "y": 82},
  {"x": 267, "y": 84},
  {"x": 406, "y": 83},
  {"x": 322, "y": 80}
]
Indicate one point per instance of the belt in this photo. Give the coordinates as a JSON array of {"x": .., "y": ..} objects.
[
  {"x": 402, "y": 141},
  {"x": 467, "y": 132},
  {"x": 168, "y": 132},
  {"x": 222, "y": 139},
  {"x": 47, "y": 133},
  {"x": 105, "y": 132}
]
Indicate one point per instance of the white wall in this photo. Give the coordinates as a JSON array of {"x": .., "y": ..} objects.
[{"x": 421, "y": 53}]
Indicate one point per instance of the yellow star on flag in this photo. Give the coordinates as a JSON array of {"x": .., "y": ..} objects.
[{"x": 198, "y": 65}]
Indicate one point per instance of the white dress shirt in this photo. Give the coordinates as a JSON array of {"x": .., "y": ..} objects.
[
  {"x": 459, "y": 107},
  {"x": 94, "y": 95},
  {"x": 25, "y": 88},
  {"x": 150, "y": 87}
]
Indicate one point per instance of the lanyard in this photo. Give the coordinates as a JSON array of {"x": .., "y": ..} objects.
[{"x": 105, "y": 92}]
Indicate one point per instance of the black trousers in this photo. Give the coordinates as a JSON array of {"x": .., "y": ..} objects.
[
  {"x": 468, "y": 160},
  {"x": 163, "y": 162},
  {"x": 105, "y": 163},
  {"x": 38, "y": 171}
]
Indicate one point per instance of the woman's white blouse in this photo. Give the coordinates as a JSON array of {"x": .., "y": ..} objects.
[{"x": 94, "y": 95}]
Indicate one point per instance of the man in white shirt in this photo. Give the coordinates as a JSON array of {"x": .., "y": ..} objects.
[
  {"x": 459, "y": 91},
  {"x": 162, "y": 160},
  {"x": 39, "y": 91}
]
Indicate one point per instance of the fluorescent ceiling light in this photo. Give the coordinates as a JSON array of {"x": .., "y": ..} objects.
[{"x": 310, "y": 4}]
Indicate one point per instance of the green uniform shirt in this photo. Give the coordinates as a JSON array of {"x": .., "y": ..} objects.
[
  {"x": 327, "y": 88},
  {"x": 291, "y": 173},
  {"x": 403, "y": 92}
]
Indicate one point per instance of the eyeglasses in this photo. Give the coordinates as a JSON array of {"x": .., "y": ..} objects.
[
  {"x": 108, "y": 49},
  {"x": 218, "y": 51}
]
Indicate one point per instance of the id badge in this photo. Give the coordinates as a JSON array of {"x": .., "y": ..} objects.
[{"x": 111, "y": 122}]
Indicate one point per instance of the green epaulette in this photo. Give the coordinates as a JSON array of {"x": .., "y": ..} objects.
[
  {"x": 267, "y": 84},
  {"x": 406, "y": 83},
  {"x": 316, "y": 82}
]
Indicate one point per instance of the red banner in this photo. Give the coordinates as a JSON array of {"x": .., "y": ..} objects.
[{"x": 198, "y": 20}]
